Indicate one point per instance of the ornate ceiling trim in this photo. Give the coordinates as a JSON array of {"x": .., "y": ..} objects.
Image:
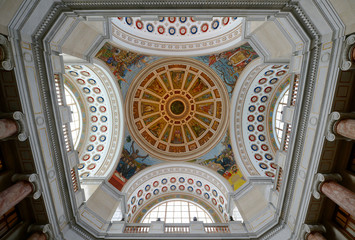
[
  {"x": 187, "y": 47},
  {"x": 31, "y": 47}
]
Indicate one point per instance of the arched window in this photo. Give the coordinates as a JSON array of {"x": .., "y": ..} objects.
[
  {"x": 277, "y": 118},
  {"x": 177, "y": 211},
  {"x": 76, "y": 124}
]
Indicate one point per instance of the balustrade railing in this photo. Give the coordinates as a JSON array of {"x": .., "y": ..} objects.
[
  {"x": 287, "y": 135},
  {"x": 279, "y": 180},
  {"x": 136, "y": 229},
  {"x": 59, "y": 89},
  {"x": 177, "y": 228},
  {"x": 68, "y": 145},
  {"x": 294, "y": 90},
  {"x": 217, "y": 229},
  {"x": 170, "y": 228},
  {"x": 74, "y": 180}
]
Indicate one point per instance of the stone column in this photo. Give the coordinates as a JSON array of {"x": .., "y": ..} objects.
[
  {"x": 342, "y": 196},
  {"x": 38, "y": 236},
  {"x": 40, "y": 232},
  {"x": 313, "y": 232},
  {"x": 2, "y": 54},
  {"x": 326, "y": 184},
  {"x": 345, "y": 128},
  {"x": 13, "y": 195},
  {"x": 6, "y": 58},
  {"x": 348, "y": 54},
  {"x": 315, "y": 236},
  {"x": 8, "y": 128}
]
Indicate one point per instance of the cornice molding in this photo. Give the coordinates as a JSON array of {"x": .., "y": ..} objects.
[{"x": 50, "y": 113}]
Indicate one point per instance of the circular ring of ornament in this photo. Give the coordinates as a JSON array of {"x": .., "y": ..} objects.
[{"x": 177, "y": 109}]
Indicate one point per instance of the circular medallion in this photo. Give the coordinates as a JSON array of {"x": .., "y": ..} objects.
[{"x": 177, "y": 109}]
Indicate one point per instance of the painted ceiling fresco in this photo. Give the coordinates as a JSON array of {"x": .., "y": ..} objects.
[
  {"x": 177, "y": 111},
  {"x": 227, "y": 65}
]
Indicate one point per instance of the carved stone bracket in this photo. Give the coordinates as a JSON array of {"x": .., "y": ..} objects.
[
  {"x": 321, "y": 178},
  {"x": 23, "y": 130},
  {"x": 333, "y": 118},
  {"x": 308, "y": 229},
  {"x": 33, "y": 179},
  {"x": 20, "y": 119},
  {"x": 6, "y": 58},
  {"x": 347, "y": 62},
  {"x": 45, "y": 229}
]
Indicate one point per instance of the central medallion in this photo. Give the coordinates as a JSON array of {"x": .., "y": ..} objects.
[{"x": 175, "y": 108}]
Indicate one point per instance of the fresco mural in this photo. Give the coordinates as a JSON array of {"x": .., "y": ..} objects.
[
  {"x": 230, "y": 64},
  {"x": 224, "y": 163},
  {"x": 133, "y": 160},
  {"x": 120, "y": 61},
  {"x": 125, "y": 65}
]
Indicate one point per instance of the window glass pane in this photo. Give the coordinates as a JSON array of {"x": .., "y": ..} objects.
[
  {"x": 177, "y": 211},
  {"x": 75, "y": 125},
  {"x": 278, "y": 124}
]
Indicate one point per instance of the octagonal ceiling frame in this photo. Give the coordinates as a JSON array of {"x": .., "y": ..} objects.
[{"x": 27, "y": 42}]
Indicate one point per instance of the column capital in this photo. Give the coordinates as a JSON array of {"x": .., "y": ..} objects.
[
  {"x": 7, "y": 62},
  {"x": 308, "y": 229},
  {"x": 321, "y": 178},
  {"x": 347, "y": 62},
  {"x": 333, "y": 118},
  {"x": 31, "y": 178},
  {"x": 20, "y": 119},
  {"x": 23, "y": 130},
  {"x": 45, "y": 229}
]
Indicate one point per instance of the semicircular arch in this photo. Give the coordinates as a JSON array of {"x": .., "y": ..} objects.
[{"x": 172, "y": 180}]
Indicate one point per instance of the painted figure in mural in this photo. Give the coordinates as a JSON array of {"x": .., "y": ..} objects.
[
  {"x": 177, "y": 78},
  {"x": 199, "y": 87},
  {"x": 134, "y": 154},
  {"x": 127, "y": 165},
  {"x": 225, "y": 162},
  {"x": 177, "y": 136},
  {"x": 197, "y": 129},
  {"x": 147, "y": 109},
  {"x": 157, "y": 128},
  {"x": 119, "y": 61},
  {"x": 206, "y": 108},
  {"x": 129, "y": 171},
  {"x": 156, "y": 87}
]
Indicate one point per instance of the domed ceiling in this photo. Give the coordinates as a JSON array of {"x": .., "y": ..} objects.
[{"x": 177, "y": 109}]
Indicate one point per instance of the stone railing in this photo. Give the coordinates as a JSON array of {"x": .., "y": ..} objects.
[
  {"x": 294, "y": 90},
  {"x": 217, "y": 229},
  {"x": 68, "y": 141},
  {"x": 174, "y": 228},
  {"x": 59, "y": 89},
  {"x": 177, "y": 228},
  {"x": 137, "y": 228}
]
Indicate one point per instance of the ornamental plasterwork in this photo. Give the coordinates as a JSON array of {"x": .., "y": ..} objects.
[
  {"x": 174, "y": 186},
  {"x": 258, "y": 139},
  {"x": 177, "y": 29},
  {"x": 293, "y": 9},
  {"x": 161, "y": 170},
  {"x": 100, "y": 136},
  {"x": 187, "y": 46},
  {"x": 177, "y": 109},
  {"x": 238, "y": 120}
]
